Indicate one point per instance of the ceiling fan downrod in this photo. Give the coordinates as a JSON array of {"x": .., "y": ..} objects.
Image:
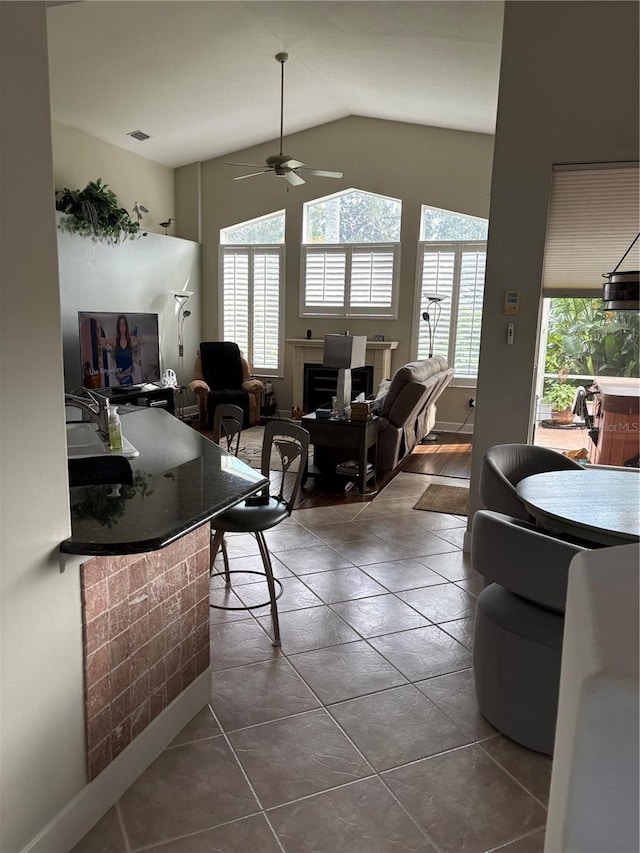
[{"x": 281, "y": 58}]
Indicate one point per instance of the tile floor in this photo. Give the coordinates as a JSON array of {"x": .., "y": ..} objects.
[{"x": 361, "y": 735}]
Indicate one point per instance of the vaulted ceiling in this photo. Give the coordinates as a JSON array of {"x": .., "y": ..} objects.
[{"x": 201, "y": 78}]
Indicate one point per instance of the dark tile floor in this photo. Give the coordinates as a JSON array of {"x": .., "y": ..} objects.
[{"x": 360, "y": 735}]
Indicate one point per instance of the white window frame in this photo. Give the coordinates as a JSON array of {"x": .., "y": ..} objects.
[
  {"x": 250, "y": 251},
  {"x": 458, "y": 247},
  {"x": 347, "y": 310}
]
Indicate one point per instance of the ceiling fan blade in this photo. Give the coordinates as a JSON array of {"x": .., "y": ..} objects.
[
  {"x": 255, "y": 165},
  {"x": 294, "y": 179},
  {"x": 251, "y": 175},
  {"x": 293, "y": 164},
  {"x": 321, "y": 173}
]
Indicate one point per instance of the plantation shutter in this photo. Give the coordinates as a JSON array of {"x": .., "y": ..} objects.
[
  {"x": 454, "y": 271},
  {"x": 372, "y": 276},
  {"x": 252, "y": 284},
  {"x": 593, "y": 217},
  {"x": 266, "y": 309},
  {"x": 236, "y": 297},
  {"x": 469, "y": 311},
  {"x": 350, "y": 281},
  {"x": 325, "y": 278},
  {"x": 438, "y": 271}
]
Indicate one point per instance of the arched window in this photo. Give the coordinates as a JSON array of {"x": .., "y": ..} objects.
[
  {"x": 451, "y": 263},
  {"x": 350, "y": 255},
  {"x": 251, "y": 283}
]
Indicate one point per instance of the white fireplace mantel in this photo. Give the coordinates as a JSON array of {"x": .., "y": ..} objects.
[{"x": 309, "y": 351}]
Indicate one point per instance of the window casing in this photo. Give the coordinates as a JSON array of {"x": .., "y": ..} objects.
[
  {"x": 357, "y": 280},
  {"x": 251, "y": 282},
  {"x": 454, "y": 270}
]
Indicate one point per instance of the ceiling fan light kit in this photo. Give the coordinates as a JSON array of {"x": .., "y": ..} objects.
[{"x": 282, "y": 165}]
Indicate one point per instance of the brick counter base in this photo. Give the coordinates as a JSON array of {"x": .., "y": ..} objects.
[{"x": 146, "y": 638}]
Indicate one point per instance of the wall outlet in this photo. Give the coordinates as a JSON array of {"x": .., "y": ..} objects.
[{"x": 472, "y": 402}]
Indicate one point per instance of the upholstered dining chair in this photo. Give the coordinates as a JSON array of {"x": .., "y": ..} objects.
[
  {"x": 504, "y": 465},
  {"x": 519, "y": 625},
  {"x": 284, "y": 455}
]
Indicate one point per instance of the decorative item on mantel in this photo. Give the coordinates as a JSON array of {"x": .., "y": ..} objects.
[
  {"x": 166, "y": 225},
  {"x": 96, "y": 212}
]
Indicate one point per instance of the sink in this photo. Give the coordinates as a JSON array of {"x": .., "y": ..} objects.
[{"x": 83, "y": 440}]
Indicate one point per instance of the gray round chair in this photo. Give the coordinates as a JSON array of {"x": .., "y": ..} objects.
[
  {"x": 504, "y": 465},
  {"x": 519, "y": 626}
]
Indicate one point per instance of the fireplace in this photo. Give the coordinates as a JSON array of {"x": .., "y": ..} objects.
[
  {"x": 308, "y": 351},
  {"x": 320, "y": 384}
]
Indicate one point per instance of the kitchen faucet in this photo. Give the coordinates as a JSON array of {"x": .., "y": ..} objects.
[{"x": 96, "y": 411}]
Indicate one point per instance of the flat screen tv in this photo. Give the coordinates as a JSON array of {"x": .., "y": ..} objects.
[{"x": 118, "y": 349}]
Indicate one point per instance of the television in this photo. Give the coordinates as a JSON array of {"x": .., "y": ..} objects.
[{"x": 118, "y": 349}]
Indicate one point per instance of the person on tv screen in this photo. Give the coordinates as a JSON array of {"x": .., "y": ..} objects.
[{"x": 123, "y": 347}]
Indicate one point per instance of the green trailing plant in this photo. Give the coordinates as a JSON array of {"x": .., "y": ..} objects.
[{"x": 95, "y": 211}]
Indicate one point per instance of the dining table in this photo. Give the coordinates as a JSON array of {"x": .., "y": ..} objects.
[{"x": 598, "y": 505}]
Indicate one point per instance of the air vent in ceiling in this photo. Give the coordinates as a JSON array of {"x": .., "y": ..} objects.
[{"x": 140, "y": 135}]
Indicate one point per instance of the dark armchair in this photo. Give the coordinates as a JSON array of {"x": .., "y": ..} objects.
[{"x": 222, "y": 375}]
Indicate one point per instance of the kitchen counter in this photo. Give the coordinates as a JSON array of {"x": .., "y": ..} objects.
[{"x": 180, "y": 481}]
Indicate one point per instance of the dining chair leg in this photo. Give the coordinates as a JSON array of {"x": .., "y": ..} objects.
[
  {"x": 225, "y": 560},
  {"x": 216, "y": 542},
  {"x": 268, "y": 570}
]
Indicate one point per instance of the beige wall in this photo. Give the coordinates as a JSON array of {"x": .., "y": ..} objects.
[
  {"x": 42, "y": 729},
  {"x": 419, "y": 165},
  {"x": 568, "y": 94},
  {"x": 79, "y": 158}
]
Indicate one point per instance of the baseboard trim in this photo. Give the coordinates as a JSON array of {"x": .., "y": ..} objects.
[
  {"x": 97, "y": 797},
  {"x": 452, "y": 426}
]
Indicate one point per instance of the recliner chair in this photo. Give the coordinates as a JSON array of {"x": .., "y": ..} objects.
[{"x": 222, "y": 375}]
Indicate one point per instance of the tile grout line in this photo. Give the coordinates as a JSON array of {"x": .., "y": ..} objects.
[
  {"x": 518, "y": 782},
  {"x": 247, "y": 780},
  {"x": 123, "y": 828}
]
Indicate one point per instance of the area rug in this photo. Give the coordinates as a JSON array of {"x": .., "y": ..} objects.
[{"x": 451, "y": 499}]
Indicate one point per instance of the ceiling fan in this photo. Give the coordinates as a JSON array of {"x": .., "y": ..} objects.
[{"x": 282, "y": 164}]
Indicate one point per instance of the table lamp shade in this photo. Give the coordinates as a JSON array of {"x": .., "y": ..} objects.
[{"x": 344, "y": 351}]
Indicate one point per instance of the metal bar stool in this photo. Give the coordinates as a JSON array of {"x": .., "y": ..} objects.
[{"x": 264, "y": 511}]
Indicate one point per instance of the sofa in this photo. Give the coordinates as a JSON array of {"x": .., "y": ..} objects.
[
  {"x": 225, "y": 377},
  {"x": 406, "y": 408}
]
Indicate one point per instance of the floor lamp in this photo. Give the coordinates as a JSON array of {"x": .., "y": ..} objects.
[
  {"x": 431, "y": 317},
  {"x": 181, "y": 298},
  {"x": 344, "y": 352}
]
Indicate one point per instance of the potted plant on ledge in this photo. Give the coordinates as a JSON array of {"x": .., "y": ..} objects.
[
  {"x": 560, "y": 394},
  {"x": 95, "y": 211}
]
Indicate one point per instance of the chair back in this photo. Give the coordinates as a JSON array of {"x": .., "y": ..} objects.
[
  {"x": 227, "y": 426},
  {"x": 504, "y": 465},
  {"x": 522, "y": 558},
  {"x": 221, "y": 365},
  {"x": 284, "y": 445}
]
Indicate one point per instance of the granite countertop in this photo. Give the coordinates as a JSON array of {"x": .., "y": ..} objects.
[{"x": 180, "y": 480}]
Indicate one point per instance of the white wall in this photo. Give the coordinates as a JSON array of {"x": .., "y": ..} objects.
[
  {"x": 79, "y": 158},
  {"x": 419, "y": 165},
  {"x": 568, "y": 94},
  {"x": 137, "y": 275},
  {"x": 42, "y": 729}
]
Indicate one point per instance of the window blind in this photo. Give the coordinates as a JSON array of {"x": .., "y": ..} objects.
[
  {"x": 454, "y": 271},
  {"x": 251, "y": 288},
  {"x": 593, "y": 216},
  {"x": 349, "y": 281}
]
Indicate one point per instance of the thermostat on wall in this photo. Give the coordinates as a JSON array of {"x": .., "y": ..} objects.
[{"x": 511, "y": 302}]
